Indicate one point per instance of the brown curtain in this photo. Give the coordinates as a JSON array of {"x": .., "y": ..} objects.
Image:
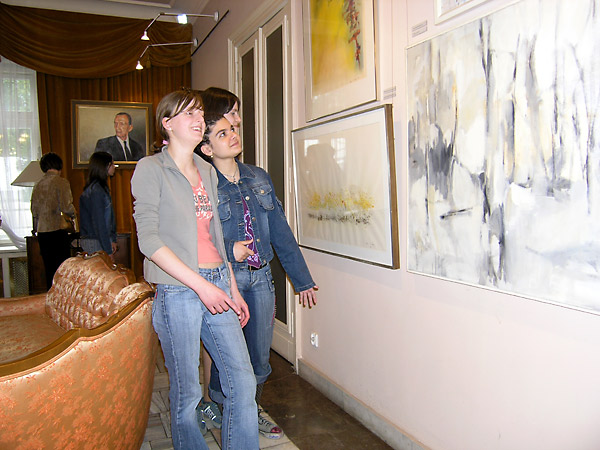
[
  {"x": 91, "y": 57},
  {"x": 78, "y": 45}
]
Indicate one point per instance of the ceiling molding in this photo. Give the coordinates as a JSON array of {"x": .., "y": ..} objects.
[
  {"x": 155, "y": 3},
  {"x": 136, "y": 9}
]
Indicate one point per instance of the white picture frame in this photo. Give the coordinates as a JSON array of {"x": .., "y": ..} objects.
[
  {"x": 447, "y": 9},
  {"x": 500, "y": 193},
  {"x": 339, "y": 56}
]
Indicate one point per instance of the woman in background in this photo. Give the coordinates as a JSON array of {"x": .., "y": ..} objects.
[
  {"x": 221, "y": 102},
  {"x": 50, "y": 199},
  {"x": 98, "y": 228}
]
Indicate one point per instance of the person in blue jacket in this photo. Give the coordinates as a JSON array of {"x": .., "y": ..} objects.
[
  {"x": 98, "y": 228},
  {"x": 254, "y": 224}
]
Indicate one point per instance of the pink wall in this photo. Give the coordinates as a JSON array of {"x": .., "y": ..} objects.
[
  {"x": 210, "y": 62},
  {"x": 455, "y": 366}
]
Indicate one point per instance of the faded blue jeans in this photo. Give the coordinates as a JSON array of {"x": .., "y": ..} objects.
[
  {"x": 90, "y": 245},
  {"x": 258, "y": 290},
  {"x": 180, "y": 320}
]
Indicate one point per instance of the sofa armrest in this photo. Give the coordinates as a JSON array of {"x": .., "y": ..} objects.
[
  {"x": 90, "y": 390},
  {"x": 17, "y": 306}
]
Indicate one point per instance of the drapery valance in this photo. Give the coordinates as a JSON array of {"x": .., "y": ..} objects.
[{"x": 79, "y": 45}]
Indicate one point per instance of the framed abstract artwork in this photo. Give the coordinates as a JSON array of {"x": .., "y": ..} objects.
[
  {"x": 504, "y": 153},
  {"x": 97, "y": 125},
  {"x": 339, "y": 55},
  {"x": 346, "y": 187}
]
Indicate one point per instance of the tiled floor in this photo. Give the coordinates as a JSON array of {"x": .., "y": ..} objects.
[{"x": 310, "y": 420}]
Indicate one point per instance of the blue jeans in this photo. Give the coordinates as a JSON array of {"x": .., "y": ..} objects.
[
  {"x": 90, "y": 245},
  {"x": 180, "y": 320},
  {"x": 258, "y": 290}
]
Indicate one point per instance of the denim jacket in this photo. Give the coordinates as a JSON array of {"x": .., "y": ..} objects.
[
  {"x": 268, "y": 220},
  {"x": 97, "y": 216}
]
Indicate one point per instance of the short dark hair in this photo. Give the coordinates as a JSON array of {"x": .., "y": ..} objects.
[
  {"x": 219, "y": 101},
  {"x": 125, "y": 114},
  {"x": 50, "y": 161}
]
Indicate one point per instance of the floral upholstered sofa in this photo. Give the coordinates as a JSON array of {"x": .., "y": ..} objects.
[{"x": 77, "y": 364}]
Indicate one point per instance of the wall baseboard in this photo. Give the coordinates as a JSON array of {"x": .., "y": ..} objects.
[{"x": 378, "y": 425}]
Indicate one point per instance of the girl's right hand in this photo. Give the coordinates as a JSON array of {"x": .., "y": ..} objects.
[
  {"x": 241, "y": 251},
  {"x": 215, "y": 299}
]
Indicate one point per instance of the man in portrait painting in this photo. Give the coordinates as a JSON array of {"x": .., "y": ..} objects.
[{"x": 121, "y": 146}]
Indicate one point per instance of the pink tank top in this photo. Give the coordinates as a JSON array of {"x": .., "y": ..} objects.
[{"x": 207, "y": 252}]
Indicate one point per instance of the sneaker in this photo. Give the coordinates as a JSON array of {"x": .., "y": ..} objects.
[
  {"x": 267, "y": 428},
  {"x": 210, "y": 414},
  {"x": 201, "y": 422}
]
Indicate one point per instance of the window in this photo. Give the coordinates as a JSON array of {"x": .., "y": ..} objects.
[{"x": 19, "y": 144}]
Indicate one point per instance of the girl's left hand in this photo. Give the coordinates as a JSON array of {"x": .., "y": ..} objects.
[
  {"x": 244, "y": 314},
  {"x": 309, "y": 297}
]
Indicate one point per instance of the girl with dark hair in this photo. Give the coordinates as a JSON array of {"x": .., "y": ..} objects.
[
  {"x": 179, "y": 232},
  {"x": 221, "y": 102},
  {"x": 98, "y": 227},
  {"x": 254, "y": 224}
]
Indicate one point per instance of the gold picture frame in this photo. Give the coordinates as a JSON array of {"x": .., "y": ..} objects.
[
  {"x": 93, "y": 128},
  {"x": 345, "y": 178}
]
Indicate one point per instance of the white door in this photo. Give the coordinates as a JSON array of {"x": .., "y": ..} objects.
[{"x": 260, "y": 59}]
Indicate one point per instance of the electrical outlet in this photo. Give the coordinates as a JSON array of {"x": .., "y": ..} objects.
[{"x": 314, "y": 339}]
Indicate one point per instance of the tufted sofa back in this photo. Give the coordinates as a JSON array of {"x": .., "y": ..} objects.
[{"x": 86, "y": 293}]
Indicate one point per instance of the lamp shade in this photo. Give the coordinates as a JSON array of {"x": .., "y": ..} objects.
[{"x": 31, "y": 175}]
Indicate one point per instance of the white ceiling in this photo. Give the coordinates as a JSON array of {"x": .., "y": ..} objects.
[{"x": 139, "y": 9}]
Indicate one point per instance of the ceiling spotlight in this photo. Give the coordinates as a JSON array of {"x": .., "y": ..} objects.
[
  {"x": 139, "y": 66},
  {"x": 181, "y": 18}
]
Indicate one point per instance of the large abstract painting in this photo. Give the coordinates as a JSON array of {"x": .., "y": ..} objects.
[
  {"x": 504, "y": 153},
  {"x": 339, "y": 55},
  {"x": 346, "y": 187}
]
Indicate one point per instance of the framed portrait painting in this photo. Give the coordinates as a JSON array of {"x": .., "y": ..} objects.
[
  {"x": 346, "y": 187},
  {"x": 119, "y": 128},
  {"x": 339, "y": 55}
]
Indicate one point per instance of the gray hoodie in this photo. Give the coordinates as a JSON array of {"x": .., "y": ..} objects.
[{"x": 164, "y": 212}]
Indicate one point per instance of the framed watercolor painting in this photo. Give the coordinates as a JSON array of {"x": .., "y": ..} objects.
[
  {"x": 339, "y": 55},
  {"x": 346, "y": 187},
  {"x": 96, "y": 125}
]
